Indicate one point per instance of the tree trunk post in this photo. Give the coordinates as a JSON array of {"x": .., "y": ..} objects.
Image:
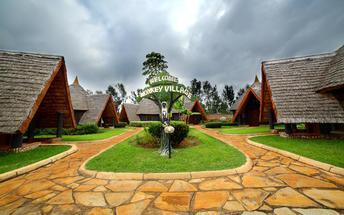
[
  {"x": 31, "y": 130},
  {"x": 59, "y": 127},
  {"x": 17, "y": 140},
  {"x": 288, "y": 128},
  {"x": 271, "y": 119}
]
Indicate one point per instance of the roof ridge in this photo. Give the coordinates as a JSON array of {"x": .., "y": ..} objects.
[
  {"x": 299, "y": 58},
  {"x": 35, "y": 54}
]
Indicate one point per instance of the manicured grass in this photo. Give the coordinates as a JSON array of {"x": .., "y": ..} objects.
[
  {"x": 211, "y": 154},
  {"x": 11, "y": 161},
  {"x": 102, "y": 134},
  {"x": 327, "y": 151},
  {"x": 244, "y": 129}
]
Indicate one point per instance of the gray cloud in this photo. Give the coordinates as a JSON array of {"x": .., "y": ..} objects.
[{"x": 105, "y": 42}]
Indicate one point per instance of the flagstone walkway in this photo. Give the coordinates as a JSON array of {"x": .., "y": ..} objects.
[{"x": 275, "y": 185}]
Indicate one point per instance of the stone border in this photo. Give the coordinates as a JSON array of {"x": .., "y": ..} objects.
[
  {"x": 38, "y": 164},
  {"x": 309, "y": 161},
  {"x": 169, "y": 175}
]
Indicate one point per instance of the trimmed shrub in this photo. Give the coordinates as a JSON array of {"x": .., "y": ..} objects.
[
  {"x": 213, "y": 124},
  {"x": 85, "y": 129},
  {"x": 141, "y": 123},
  {"x": 181, "y": 131},
  {"x": 120, "y": 125},
  {"x": 79, "y": 130},
  {"x": 155, "y": 129},
  {"x": 229, "y": 124}
]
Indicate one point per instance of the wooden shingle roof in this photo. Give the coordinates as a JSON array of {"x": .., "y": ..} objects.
[
  {"x": 24, "y": 81},
  {"x": 96, "y": 106},
  {"x": 78, "y": 95},
  {"x": 294, "y": 84},
  {"x": 131, "y": 110}
]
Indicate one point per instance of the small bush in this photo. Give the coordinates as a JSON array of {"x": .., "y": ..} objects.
[
  {"x": 85, "y": 129},
  {"x": 229, "y": 124},
  {"x": 141, "y": 123},
  {"x": 213, "y": 124},
  {"x": 155, "y": 129},
  {"x": 120, "y": 125},
  {"x": 181, "y": 131},
  {"x": 80, "y": 129}
]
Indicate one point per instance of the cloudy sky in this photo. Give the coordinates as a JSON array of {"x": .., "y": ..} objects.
[{"x": 105, "y": 42}]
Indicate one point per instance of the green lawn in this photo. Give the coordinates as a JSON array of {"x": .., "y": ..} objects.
[
  {"x": 244, "y": 129},
  {"x": 211, "y": 154},
  {"x": 11, "y": 161},
  {"x": 327, "y": 151},
  {"x": 102, "y": 134}
]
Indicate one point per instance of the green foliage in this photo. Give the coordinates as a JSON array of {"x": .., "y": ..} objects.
[
  {"x": 154, "y": 64},
  {"x": 181, "y": 131},
  {"x": 210, "y": 154},
  {"x": 155, "y": 129},
  {"x": 141, "y": 123},
  {"x": 213, "y": 124},
  {"x": 118, "y": 94},
  {"x": 10, "y": 161},
  {"x": 146, "y": 139},
  {"x": 120, "y": 125},
  {"x": 80, "y": 129}
]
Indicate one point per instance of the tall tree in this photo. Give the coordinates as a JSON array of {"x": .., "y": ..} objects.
[
  {"x": 241, "y": 91},
  {"x": 228, "y": 95},
  {"x": 154, "y": 64},
  {"x": 206, "y": 95},
  {"x": 196, "y": 88},
  {"x": 122, "y": 91},
  {"x": 135, "y": 96},
  {"x": 118, "y": 95}
]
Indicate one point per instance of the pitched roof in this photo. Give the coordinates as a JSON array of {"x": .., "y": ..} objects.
[
  {"x": 147, "y": 106},
  {"x": 236, "y": 103},
  {"x": 294, "y": 84},
  {"x": 93, "y": 105},
  {"x": 334, "y": 76},
  {"x": 256, "y": 87},
  {"x": 24, "y": 78},
  {"x": 78, "y": 95},
  {"x": 96, "y": 105},
  {"x": 131, "y": 110},
  {"x": 255, "y": 90}
]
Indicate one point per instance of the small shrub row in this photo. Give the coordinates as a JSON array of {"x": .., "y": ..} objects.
[
  {"x": 181, "y": 131},
  {"x": 141, "y": 123},
  {"x": 80, "y": 129},
  {"x": 217, "y": 124},
  {"x": 120, "y": 125}
]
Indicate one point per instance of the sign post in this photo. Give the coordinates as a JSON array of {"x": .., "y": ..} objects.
[{"x": 164, "y": 90}]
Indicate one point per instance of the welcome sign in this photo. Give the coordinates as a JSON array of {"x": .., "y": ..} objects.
[
  {"x": 167, "y": 89},
  {"x": 164, "y": 78}
]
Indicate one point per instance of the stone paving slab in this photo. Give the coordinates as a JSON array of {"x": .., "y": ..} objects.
[{"x": 274, "y": 185}]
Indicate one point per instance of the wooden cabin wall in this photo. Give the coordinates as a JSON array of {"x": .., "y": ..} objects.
[
  {"x": 55, "y": 100},
  {"x": 149, "y": 117}
]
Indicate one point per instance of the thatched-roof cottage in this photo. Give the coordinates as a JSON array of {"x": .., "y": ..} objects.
[
  {"x": 92, "y": 109},
  {"x": 34, "y": 93},
  {"x": 147, "y": 110},
  {"x": 247, "y": 110},
  {"x": 307, "y": 89}
]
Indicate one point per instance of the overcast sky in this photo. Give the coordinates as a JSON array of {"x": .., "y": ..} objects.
[{"x": 105, "y": 42}]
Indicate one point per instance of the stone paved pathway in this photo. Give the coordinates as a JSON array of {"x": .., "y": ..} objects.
[{"x": 275, "y": 185}]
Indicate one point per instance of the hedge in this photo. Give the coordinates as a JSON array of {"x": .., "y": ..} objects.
[
  {"x": 80, "y": 129},
  {"x": 141, "y": 123},
  {"x": 181, "y": 131},
  {"x": 120, "y": 125}
]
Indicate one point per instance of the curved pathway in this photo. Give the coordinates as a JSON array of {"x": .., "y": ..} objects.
[{"x": 275, "y": 185}]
